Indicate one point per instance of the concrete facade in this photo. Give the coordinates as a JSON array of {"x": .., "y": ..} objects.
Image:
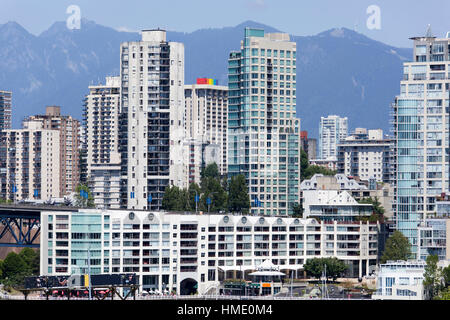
[
  {"x": 68, "y": 129},
  {"x": 168, "y": 249},
  {"x": 5, "y": 109},
  {"x": 151, "y": 119},
  {"x": 365, "y": 154},
  {"x": 205, "y": 124},
  {"x": 30, "y": 163}
]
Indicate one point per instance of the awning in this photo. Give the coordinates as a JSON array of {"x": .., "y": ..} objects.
[
  {"x": 236, "y": 268},
  {"x": 267, "y": 273}
]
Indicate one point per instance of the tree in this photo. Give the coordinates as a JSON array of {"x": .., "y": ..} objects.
[
  {"x": 31, "y": 258},
  {"x": 238, "y": 198},
  {"x": 211, "y": 171},
  {"x": 173, "y": 199},
  {"x": 82, "y": 201},
  {"x": 335, "y": 267},
  {"x": 443, "y": 294},
  {"x": 378, "y": 210},
  {"x": 212, "y": 188},
  {"x": 315, "y": 267},
  {"x": 307, "y": 171},
  {"x": 397, "y": 248},
  {"x": 432, "y": 277},
  {"x": 446, "y": 276},
  {"x": 14, "y": 269},
  {"x": 304, "y": 163},
  {"x": 298, "y": 210},
  {"x": 313, "y": 169},
  {"x": 194, "y": 189}
]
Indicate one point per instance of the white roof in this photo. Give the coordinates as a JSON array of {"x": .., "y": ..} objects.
[{"x": 267, "y": 265}]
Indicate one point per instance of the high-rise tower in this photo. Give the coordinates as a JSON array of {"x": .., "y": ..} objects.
[
  {"x": 263, "y": 132},
  {"x": 5, "y": 110},
  {"x": 421, "y": 132},
  {"x": 151, "y": 119}
]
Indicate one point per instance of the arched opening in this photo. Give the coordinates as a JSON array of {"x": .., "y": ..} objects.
[{"x": 188, "y": 286}]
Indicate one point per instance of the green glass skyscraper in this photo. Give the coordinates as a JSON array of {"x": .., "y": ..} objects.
[
  {"x": 421, "y": 132},
  {"x": 263, "y": 132}
]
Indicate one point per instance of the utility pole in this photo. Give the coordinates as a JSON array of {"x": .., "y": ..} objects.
[
  {"x": 196, "y": 200},
  {"x": 324, "y": 284},
  {"x": 89, "y": 271}
]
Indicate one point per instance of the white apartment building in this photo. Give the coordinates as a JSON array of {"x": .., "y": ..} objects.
[
  {"x": 101, "y": 123},
  {"x": 421, "y": 133},
  {"x": 365, "y": 154},
  {"x": 333, "y": 205},
  {"x": 101, "y": 145},
  {"x": 332, "y": 130},
  {"x": 178, "y": 251},
  {"x": 151, "y": 119},
  {"x": 263, "y": 131},
  {"x": 30, "y": 163},
  {"x": 5, "y": 109},
  {"x": 104, "y": 183},
  {"x": 69, "y": 139},
  {"x": 205, "y": 124},
  {"x": 384, "y": 192},
  {"x": 400, "y": 280}
]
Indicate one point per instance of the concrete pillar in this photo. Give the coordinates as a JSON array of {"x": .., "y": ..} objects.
[
  {"x": 360, "y": 268},
  {"x": 367, "y": 267}
]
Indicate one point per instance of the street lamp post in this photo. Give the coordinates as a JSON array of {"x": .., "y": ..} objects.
[{"x": 89, "y": 271}]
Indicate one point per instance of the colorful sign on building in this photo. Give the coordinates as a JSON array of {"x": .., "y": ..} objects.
[{"x": 207, "y": 81}]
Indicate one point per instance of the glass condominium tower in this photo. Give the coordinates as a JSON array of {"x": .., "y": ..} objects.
[
  {"x": 421, "y": 133},
  {"x": 263, "y": 132}
]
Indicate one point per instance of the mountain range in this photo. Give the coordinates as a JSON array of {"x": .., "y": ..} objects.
[{"x": 339, "y": 71}]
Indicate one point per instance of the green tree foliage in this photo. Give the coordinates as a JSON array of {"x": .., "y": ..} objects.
[
  {"x": 446, "y": 276},
  {"x": 304, "y": 163},
  {"x": 194, "y": 189},
  {"x": 175, "y": 199},
  {"x": 397, "y": 248},
  {"x": 14, "y": 270},
  {"x": 31, "y": 258},
  {"x": 443, "y": 294},
  {"x": 334, "y": 267},
  {"x": 307, "y": 171},
  {"x": 211, "y": 171},
  {"x": 314, "y": 267},
  {"x": 238, "y": 198},
  {"x": 82, "y": 202},
  {"x": 211, "y": 187},
  {"x": 298, "y": 210},
  {"x": 378, "y": 210},
  {"x": 432, "y": 276}
]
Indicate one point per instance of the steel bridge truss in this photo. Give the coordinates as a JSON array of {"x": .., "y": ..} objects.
[{"x": 24, "y": 230}]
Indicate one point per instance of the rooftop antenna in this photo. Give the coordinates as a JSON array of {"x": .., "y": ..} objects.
[{"x": 429, "y": 33}]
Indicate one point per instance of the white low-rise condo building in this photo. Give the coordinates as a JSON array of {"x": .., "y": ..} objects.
[
  {"x": 181, "y": 251},
  {"x": 400, "y": 280}
]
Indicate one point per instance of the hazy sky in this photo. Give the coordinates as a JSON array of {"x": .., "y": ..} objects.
[{"x": 398, "y": 19}]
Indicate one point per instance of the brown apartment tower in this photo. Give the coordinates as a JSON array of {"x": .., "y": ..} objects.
[{"x": 69, "y": 145}]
